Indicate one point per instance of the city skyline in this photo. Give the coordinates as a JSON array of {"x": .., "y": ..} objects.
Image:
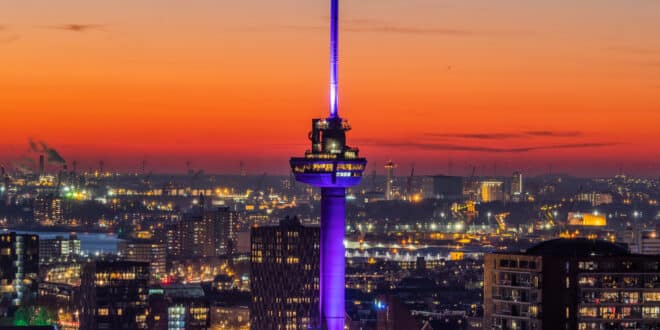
[{"x": 475, "y": 84}]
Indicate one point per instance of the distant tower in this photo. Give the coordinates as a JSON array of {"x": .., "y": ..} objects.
[
  {"x": 333, "y": 166},
  {"x": 242, "y": 168},
  {"x": 389, "y": 180},
  {"x": 516, "y": 186},
  {"x": 41, "y": 165}
]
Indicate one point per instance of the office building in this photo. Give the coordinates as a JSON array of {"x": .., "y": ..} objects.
[
  {"x": 19, "y": 267},
  {"x": 643, "y": 241},
  {"x": 491, "y": 191},
  {"x": 389, "y": 180},
  {"x": 114, "y": 295},
  {"x": 205, "y": 233},
  {"x": 178, "y": 307},
  {"x": 517, "y": 187},
  {"x": 285, "y": 276},
  {"x": 150, "y": 251},
  {"x": 58, "y": 249},
  {"x": 572, "y": 284},
  {"x": 47, "y": 210},
  {"x": 595, "y": 198},
  {"x": 447, "y": 187}
]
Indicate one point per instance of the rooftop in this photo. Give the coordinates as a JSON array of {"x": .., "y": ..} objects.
[{"x": 577, "y": 247}]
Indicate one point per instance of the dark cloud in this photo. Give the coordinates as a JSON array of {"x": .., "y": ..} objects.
[
  {"x": 485, "y": 149},
  {"x": 501, "y": 136},
  {"x": 390, "y": 28},
  {"x": 479, "y": 136},
  {"x": 554, "y": 133},
  {"x": 77, "y": 27}
]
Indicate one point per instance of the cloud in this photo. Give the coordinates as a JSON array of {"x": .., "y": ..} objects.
[
  {"x": 77, "y": 27},
  {"x": 554, "y": 133},
  {"x": 479, "y": 136},
  {"x": 502, "y": 136},
  {"x": 484, "y": 149}
]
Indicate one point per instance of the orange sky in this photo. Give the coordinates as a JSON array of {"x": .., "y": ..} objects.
[{"x": 526, "y": 85}]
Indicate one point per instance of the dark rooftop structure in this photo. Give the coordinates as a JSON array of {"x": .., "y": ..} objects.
[{"x": 577, "y": 247}]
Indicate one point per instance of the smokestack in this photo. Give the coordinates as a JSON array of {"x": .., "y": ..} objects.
[{"x": 41, "y": 165}]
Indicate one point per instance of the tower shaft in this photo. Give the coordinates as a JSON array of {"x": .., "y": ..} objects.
[
  {"x": 333, "y": 227},
  {"x": 334, "y": 56}
]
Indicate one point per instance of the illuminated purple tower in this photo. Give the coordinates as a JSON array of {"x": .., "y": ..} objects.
[{"x": 333, "y": 166}]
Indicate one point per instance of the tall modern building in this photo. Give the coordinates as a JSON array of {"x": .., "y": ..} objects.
[
  {"x": 114, "y": 295},
  {"x": 516, "y": 186},
  {"x": 285, "y": 276},
  {"x": 204, "y": 233},
  {"x": 19, "y": 267},
  {"x": 47, "y": 210},
  {"x": 150, "y": 251},
  {"x": 572, "y": 284},
  {"x": 389, "y": 180},
  {"x": 333, "y": 166}
]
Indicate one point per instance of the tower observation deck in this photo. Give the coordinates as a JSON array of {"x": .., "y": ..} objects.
[{"x": 333, "y": 166}]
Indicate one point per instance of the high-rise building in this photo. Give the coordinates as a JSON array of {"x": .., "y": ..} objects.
[
  {"x": 572, "y": 284},
  {"x": 225, "y": 234},
  {"x": 491, "y": 191},
  {"x": 114, "y": 295},
  {"x": 178, "y": 307},
  {"x": 389, "y": 180},
  {"x": 333, "y": 166},
  {"x": 59, "y": 248},
  {"x": 205, "y": 233},
  {"x": 19, "y": 266},
  {"x": 517, "y": 186},
  {"x": 41, "y": 166},
  {"x": 285, "y": 276},
  {"x": 47, "y": 210},
  {"x": 149, "y": 251},
  {"x": 447, "y": 187}
]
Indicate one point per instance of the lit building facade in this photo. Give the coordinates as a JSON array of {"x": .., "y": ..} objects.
[
  {"x": 572, "y": 284},
  {"x": 149, "y": 251},
  {"x": 59, "y": 248},
  {"x": 19, "y": 266},
  {"x": 47, "y": 210},
  {"x": 178, "y": 307},
  {"x": 389, "y": 180},
  {"x": 595, "y": 198},
  {"x": 491, "y": 191},
  {"x": 114, "y": 295},
  {"x": 285, "y": 276},
  {"x": 517, "y": 191},
  {"x": 204, "y": 233}
]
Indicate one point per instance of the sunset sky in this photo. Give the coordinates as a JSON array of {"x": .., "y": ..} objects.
[{"x": 526, "y": 85}]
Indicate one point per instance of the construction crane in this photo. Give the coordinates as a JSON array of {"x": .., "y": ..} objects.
[
  {"x": 464, "y": 211},
  {"x": 501, "y": 220},
  {"x": 410, "y": 181},
  {"x": 547, "y": 216}
]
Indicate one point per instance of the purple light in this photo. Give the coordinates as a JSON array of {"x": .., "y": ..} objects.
[
  {"x": 334, "y": 45},
  {"x": 333, "y": 212}
]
